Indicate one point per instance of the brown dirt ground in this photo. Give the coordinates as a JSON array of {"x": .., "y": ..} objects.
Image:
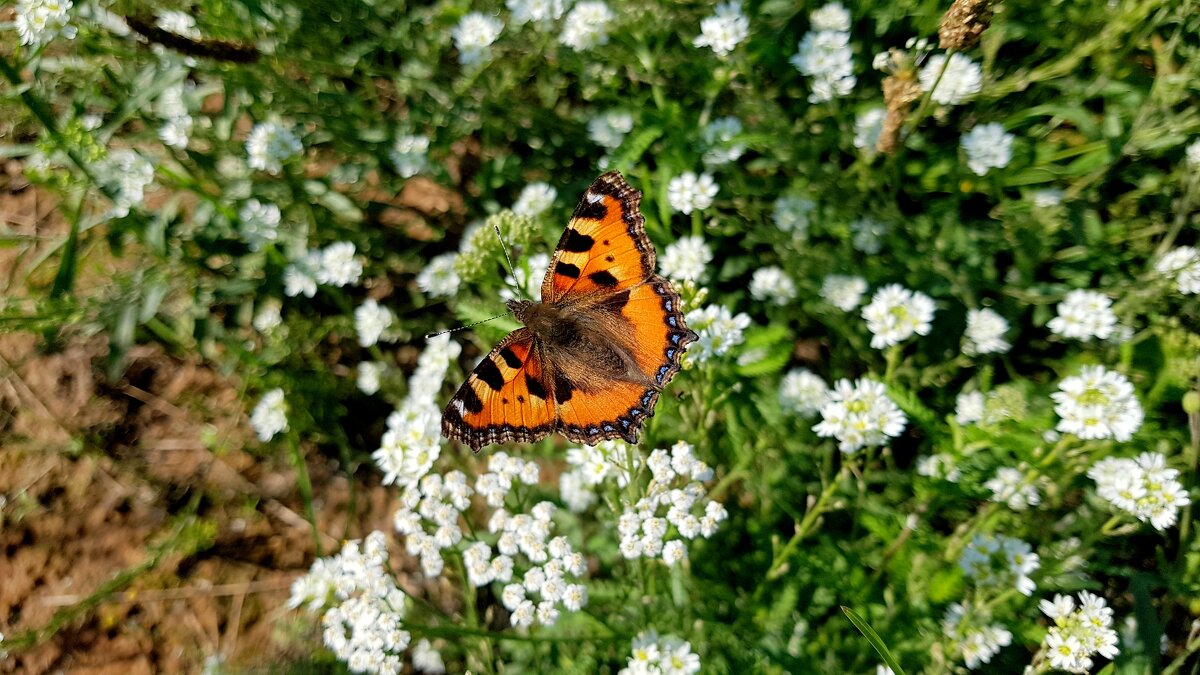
[{"x": 94, "y": 474}]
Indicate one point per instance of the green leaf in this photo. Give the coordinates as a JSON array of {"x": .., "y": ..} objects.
[{"x": 873, "y": 637}]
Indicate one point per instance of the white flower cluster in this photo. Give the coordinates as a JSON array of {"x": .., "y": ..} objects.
[
  {"x": 127, "y": 175},
  {"x": 369, "y": 373},
  {"x": 335, "y": 265},
  {"x": 535, "y": 11},
  {"x": 825, "y": 55},
  {"x": 529, "y": 275},
  {"x": 428, "y": 518},
  {"x": 608, "y": 129},
  {"x": 535, "y": 199},
  {"x": 269, "y": 144},
  {"x": 177, "y": 122},
  {"x": 961, "y": 80},
  {"x": 940, "y": 466},
  {"x": 548, "y": 584},
  {"x": 675, "y": 497},
  {"x": 1046, "y": 198},
  {"x": 439, "y": 278},
  {"x": 987, "y": 146},
  {"x": 689, "y": 192},
  {"x": 270, "y": 415},
  {"x": 1000, "y": 562},
  {"x": 410, "y": 155},
  {"x": 412, "y": 442},
  {"x": 969, "y": 407},
  {"x": 372, "y": 321},
  {"x": 365, "y": 610},
  {"x": 718, "y": 331},
  {"x": 1192, "y": 154},
  {"x": 721, "y": 141},
  {"x": 1183, "y": 265},
  {"x": 259, "y": 223},
  {"x": 724, "y": 29},
  {"x": 474, "y": 35},
  {"x": 792, "y": 214},
  {"x": 666, "y": 655},
  {"x": 591, "y": 466},
  {"x": 586, "y": 25},
  {"x": 1080, "y": 633},
  {"x": 985, "y": 333},
  {"x": 686, "y": 259},
  {"x": 896, "y": 314},
  {"x": 1097, "y": 403},
  {"x": 771, "y": 284},
  {"x": 860, "y": 414},
  {"x": 1144, "y": 487},
  {"x": 40, "y": 21},
  {"x": 269, "y": 316},
  {"x": 974, "y": 637},
  {"x": 868, "y": 234},
  {"x": 843, "y": 292},
  {"x": 802, "y": 392},
  {"x": 1009, "y": 486},
  {"x": 179, "y": 23},
  {"x": 1084, "y": 315},
  {"x": 868, "y": 126}
]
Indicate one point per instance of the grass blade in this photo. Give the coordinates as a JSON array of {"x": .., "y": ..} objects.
[{"x": 873, "y": 637}]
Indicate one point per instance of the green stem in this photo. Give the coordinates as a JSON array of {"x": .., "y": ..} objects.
[{"x": 807, "y": 523}]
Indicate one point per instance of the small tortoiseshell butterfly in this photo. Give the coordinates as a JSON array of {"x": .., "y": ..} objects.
[{"x": 596, "y": 351}]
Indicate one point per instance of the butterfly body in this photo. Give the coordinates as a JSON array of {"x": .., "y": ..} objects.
[{"x": 594, "y": 355}]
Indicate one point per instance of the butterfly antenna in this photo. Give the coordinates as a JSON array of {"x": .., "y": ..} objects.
[
  {"x": 511, "y": 270},
  {"x": 454, "y": 330}
]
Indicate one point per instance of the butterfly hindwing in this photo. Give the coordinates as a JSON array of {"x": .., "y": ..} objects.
[
  {"x": 605, "y": 247},
  {"x": 505, "y": 398}
]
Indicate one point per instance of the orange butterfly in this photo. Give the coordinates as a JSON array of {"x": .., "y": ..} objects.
[{"x": 596, "y": 351}]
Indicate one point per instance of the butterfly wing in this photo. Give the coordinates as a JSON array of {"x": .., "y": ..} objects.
[
  {"x": 604, "y": 248},
  {"x": 505, "y": 398}
]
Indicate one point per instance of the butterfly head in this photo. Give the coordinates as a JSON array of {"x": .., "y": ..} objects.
[{"x": 520, "y": 309}]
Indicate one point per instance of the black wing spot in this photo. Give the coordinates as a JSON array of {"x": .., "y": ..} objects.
[
  {"x": 609, "y": 258},
  {"x": 510, "y": 357},
  {"x": 605, "y": 242},
  {"x": 470, "y": 401},
  {"x": 563, "y": 389},
  {"x": 489, "y": 373},
  {"x": 520, "y": 399},
  {"x": 575, "y": 242},
  {"x": 603, "y": 278},
  {"x": 590, "y": 210},
  {"x": 504, "y": 400},
  {"x": 567, "y": 270},
  {"x": 535, "y": 387}
]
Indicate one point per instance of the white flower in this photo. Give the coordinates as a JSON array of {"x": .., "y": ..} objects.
[
  {"x": 985, "y": 333},
  {"x": 371, "y": 320},
  {"x": 940, "y": 465},
  {"x": 770, "y": 284},
  {"x": 1192, "y": 154},
  {"x": 896, "y": 314},
  {"x": 1097, "y": 403},
  {"x": 868, "y": 234},
  {"x": 269, "y": 144},
  {"x": 843, "y": 292},
  {"x": 690, "y": 192},
  {"x": 1083, "y": 315},
  {"x": 586, "y": 26},
  {"x": 339, "y": 266},
  {"x": 860, "y": 414},
  {"x": 975, "y": 639},
  {"x": 963, "y": 78},
  {"x": 825, "y": 56},
  {"x": 535, "y": 199},
  {"x": 686, "y": 259},
  {"x": 439, "y": 278},
  {"x": 410, "y": 155},
  {"x": 1009, "y": 487},
  {"x": 427, "y": 659},
  {"x": 473, "y": 35},
  {"x": 535, "y": 11},
  {"x": 968, "y": 407},
  {"x": 667, "y": 655},
  {"x": 1047, "y": 197},
  {"x": 674, "y": 552},
  {"x": 299, "y": 277},
  {"x": 724, "y": 29},
  {"x": 718, "y": 330},
  {"x": 988, "y": 146},
  {"x": 176, "y": 131},
  {"x": 177, "y": 22},
  {"x": 40, "y": 21},
  {"x": 720, "y": 140},
  {"x": 1000, "y": 562},
  {"x": 791, "y": 214},
  {"x": 867, "y": 128},
  {"x": 1144, "y": 487},
  {"x": 1182, "y": 264},
  {"x": 1080, "y": 633},
  {"x": 608, "y": 129},
  {"x": 270, "y": 415},
  {"x": 832, "y": 16},
  {"x": 368, "y": 376},
  {"x": 127, "y": 174},
  {"x": 259, "y": 223},
  {"x": 803, "y": 393},
  {"x": 268, "y": 317}
]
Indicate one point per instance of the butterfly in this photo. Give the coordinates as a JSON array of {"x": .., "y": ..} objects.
[{"x": 595, "y": 353}]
